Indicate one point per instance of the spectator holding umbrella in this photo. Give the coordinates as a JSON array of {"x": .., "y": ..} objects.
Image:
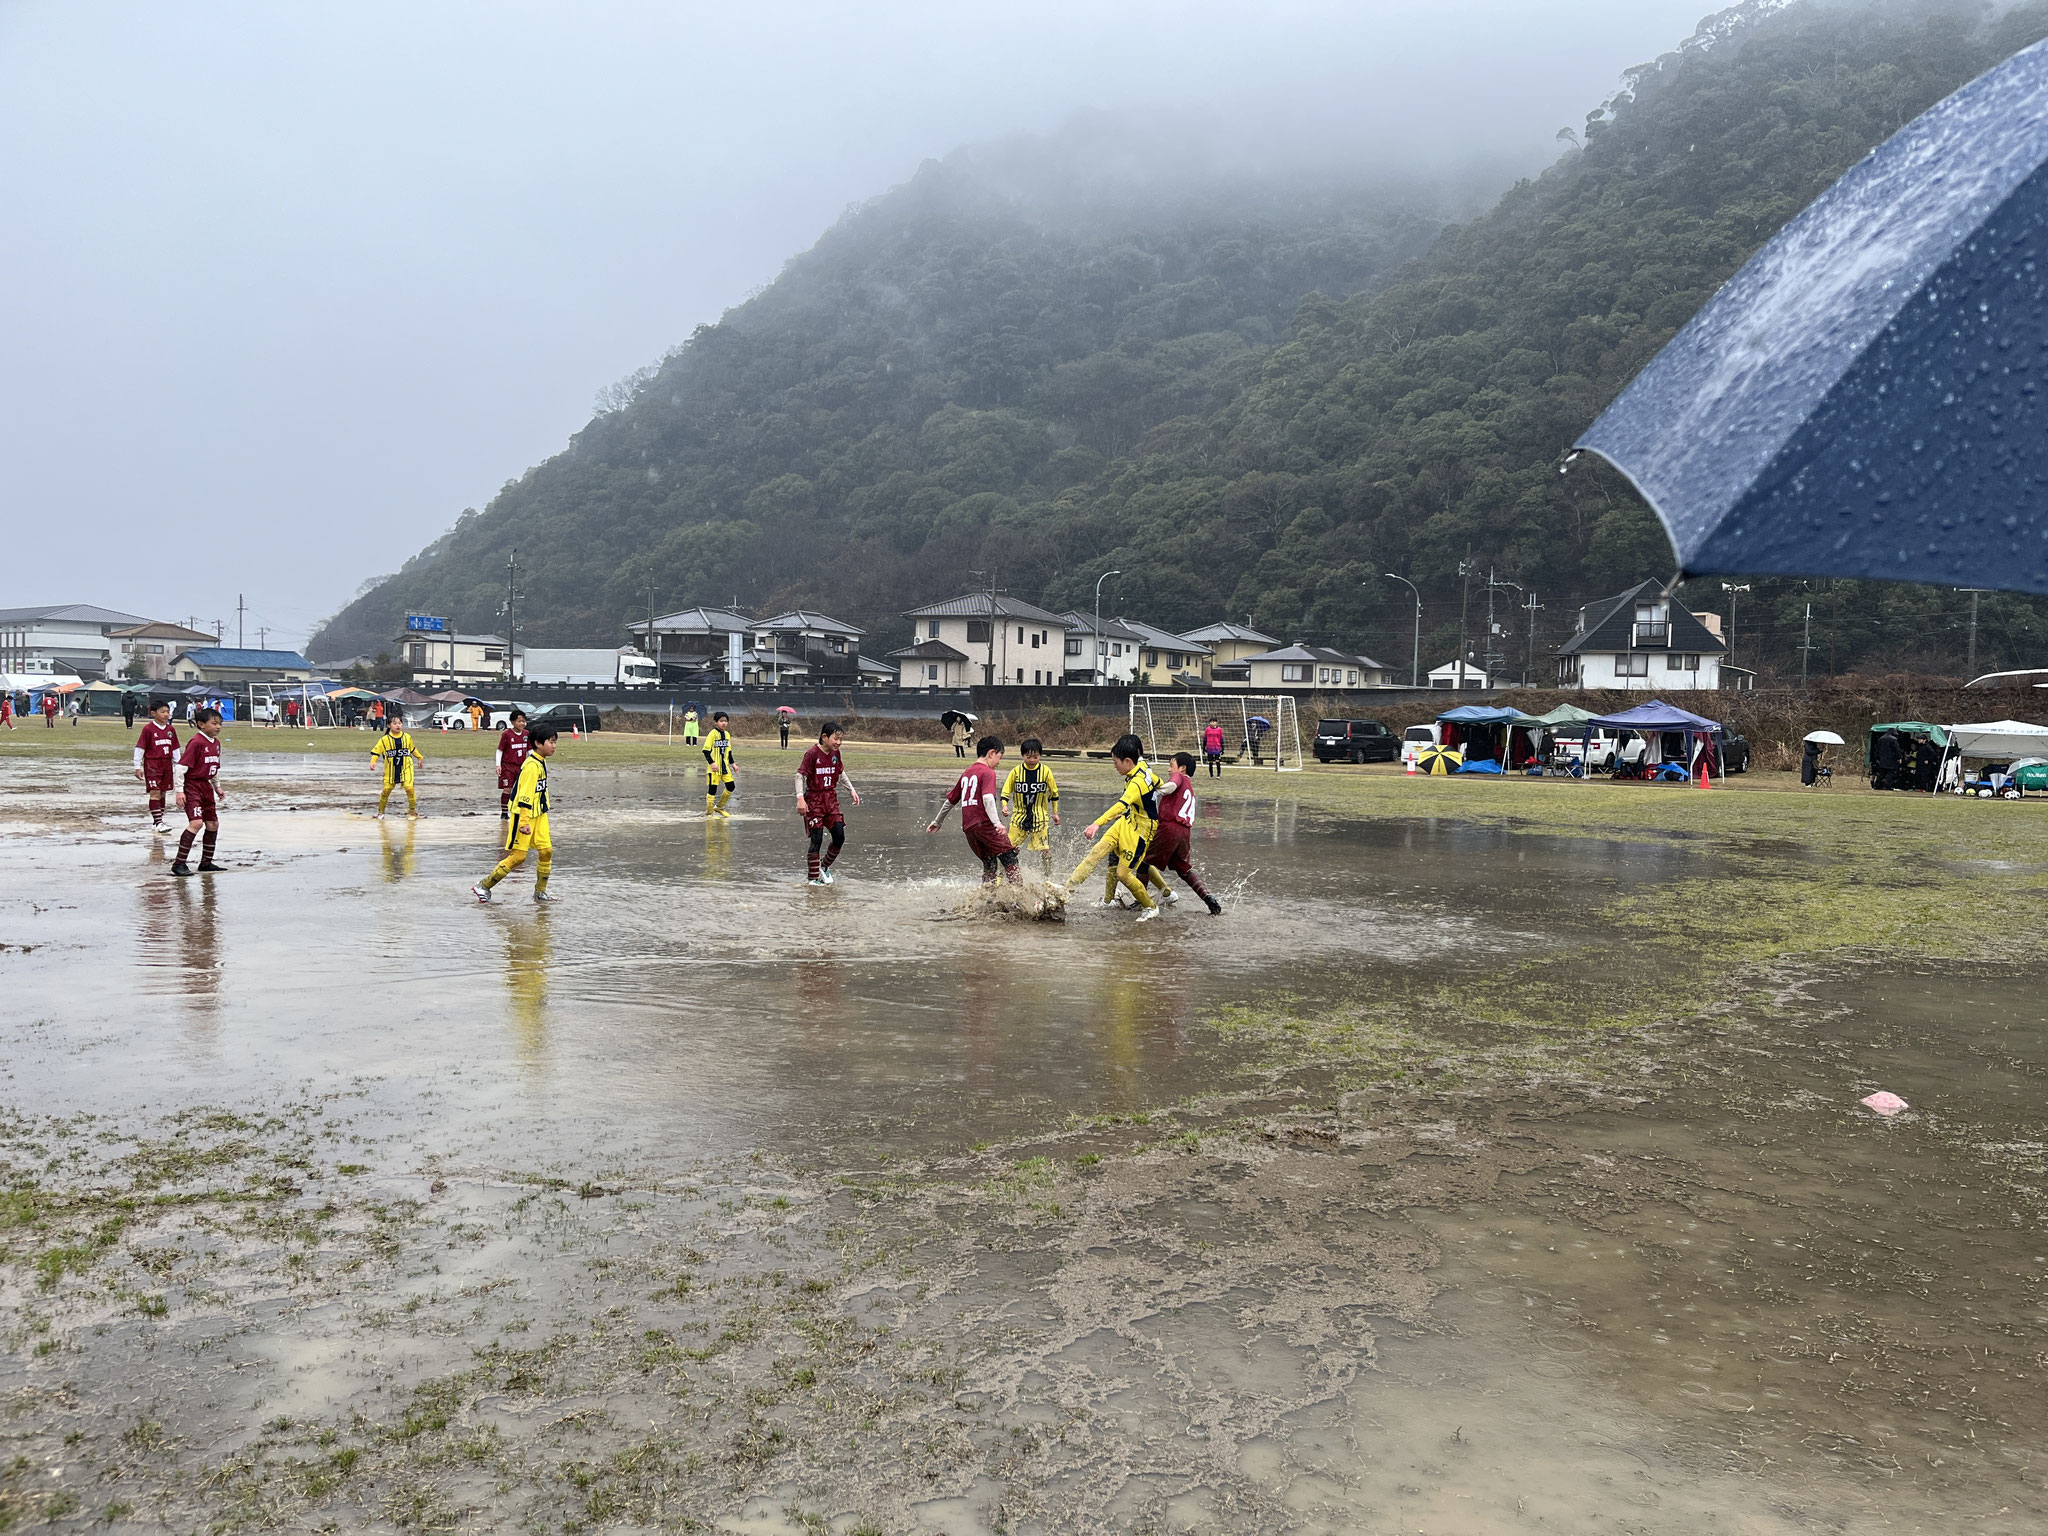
[{"x": 783, "y": 715}]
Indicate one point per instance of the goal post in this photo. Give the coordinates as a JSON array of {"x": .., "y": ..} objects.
[{"x": 1260, "y": 730}]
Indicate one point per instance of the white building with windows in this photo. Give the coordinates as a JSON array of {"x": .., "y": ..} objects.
[
  {"x": 1116, "y": 646},
  {"x": 70, "y": 635},
  {"x": 999, "y": 640},
  {"x": 1642, "y": 640},
  {"x": 1447, "y": 675}
]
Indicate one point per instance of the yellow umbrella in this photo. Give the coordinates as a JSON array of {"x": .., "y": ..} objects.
[{"x": 1439, "y": 759}]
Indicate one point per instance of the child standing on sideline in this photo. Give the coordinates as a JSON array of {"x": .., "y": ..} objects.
[
  {"x": 977, "y": 793},
  {"x": 1176, "y": 829},
  {"x": 818, "y": 779},
  {"x": 198, "y": 796},
  {"x": 396, "y": 753},
  {"x": 690, "y": 726},
  {"x": 718, "y": 780},
  {"x": 526, "y": 831},
  {"x": 1135, "y": 820},
  {"x": 156, "y": 759},
  {"x": 1212, "y": 747},
  {"x": 1031, "y": 801},
  {"x": 510, "y": 757}
]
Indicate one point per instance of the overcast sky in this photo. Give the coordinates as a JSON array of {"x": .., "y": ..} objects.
[{"x": 285, "y": 287}]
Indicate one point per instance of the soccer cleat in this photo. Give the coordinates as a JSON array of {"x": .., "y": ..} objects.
[
  {"x": 160, "y": 827},
  {"x": 825, "y": 875},
  {"x": 1106, "y": 904},
  {"x": 481, "y": 893},
  {"x": 542, "y": 897},
  {"x": 181, "y": 868},
  {"x": 377, "y": 816},
  {"x": 1170, "y": 898},
  {"x": 1148, "y": 914},
  {"x": 208, "y": 867},
  {"x": 816, "y": 880},
  {"x": 1215, "y": 906}
]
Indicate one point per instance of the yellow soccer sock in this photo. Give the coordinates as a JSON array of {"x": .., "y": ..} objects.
[
  {"x": 412, "y": 799},
  {"x": 383, "y": 799},
  {"x": 1133, "y": 884},
  {"x": 541, "y": 867},
  {"x": 506, "y": 865}
]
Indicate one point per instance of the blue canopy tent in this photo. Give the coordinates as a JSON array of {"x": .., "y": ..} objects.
[
  {"x": 1486, "y": 732},
  {"x": 1655, "y": 720}
]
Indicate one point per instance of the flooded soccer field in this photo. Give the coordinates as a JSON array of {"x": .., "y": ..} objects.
[{"x": 1493, "y": 1163}]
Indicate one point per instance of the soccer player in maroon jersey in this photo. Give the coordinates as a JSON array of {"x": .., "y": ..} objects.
[
  {"x": 156, "y": 756},
  {"x": 510, "y": 755},
  {"x": 818, "y": 780},
  {"x": 198, "y": 797},
  {"x": 1176, "y": 822},
  {"x": 978, "y": 793}
]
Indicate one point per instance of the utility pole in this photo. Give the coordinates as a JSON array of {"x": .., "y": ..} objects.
[
  {"x": 1529, "y": 660},
  {"x": 511, "y": 633},
  {"x": 1464, "y": 609},
  {"x": 220, "y": 632},
  {"x": 1806, "y": 646},
  {"x": 1970, "y": 666},
  {"x": 1732, "y": 589},
  {"x": 263, "y": 637},
  {"x": 241, "y": 610},
  {"x": 1494, "y": 655}
]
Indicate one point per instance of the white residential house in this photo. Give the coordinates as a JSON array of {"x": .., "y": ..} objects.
[
  {"x": 233, "y": 664},
  {"x": 930, "y": 664},
  {"x": 444, "y": 656},
  {"x": 1108, "y": 655},
  {"x": 1312, "y": 666},
  {"x": 1001, "y": 640},
  {"x": 1447, "y": 675},
  {"x": 692, "y": 640},
  {"x": 804, "y": 647},
  {"x": 145, "y": 650},
  {"x": 1643, "y": 641}
]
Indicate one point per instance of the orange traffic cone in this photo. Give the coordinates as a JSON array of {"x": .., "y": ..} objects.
[{"x": 1410, "y": 759}]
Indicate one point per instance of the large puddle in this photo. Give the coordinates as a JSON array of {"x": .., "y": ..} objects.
[{"x": 1736, "y": 1302}]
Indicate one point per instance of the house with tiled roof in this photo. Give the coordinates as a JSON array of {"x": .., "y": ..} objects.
[
  {"x": 1001, "y": 639},
  {"x": 234, "y": 664},
  {"x": 1642, "y": 639}
]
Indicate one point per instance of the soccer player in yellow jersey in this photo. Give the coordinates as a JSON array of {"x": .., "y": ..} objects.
[
  {"x": 718, "y": 780},
  {"x": 1130, "y": 823},
  {"x": 1031, "y": 799},
  {"x": 395, "y": 752},
  {"x": 527, "y": 829}
]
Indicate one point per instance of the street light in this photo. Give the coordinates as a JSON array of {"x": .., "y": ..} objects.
[
  {"x": 1415, "y": 656},
  {"x": 1096, "y": 638},
  {"x": 1731, "y": 588}
]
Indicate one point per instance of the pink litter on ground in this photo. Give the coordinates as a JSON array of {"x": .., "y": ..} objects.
[{"x": 1883, "y": 1102}]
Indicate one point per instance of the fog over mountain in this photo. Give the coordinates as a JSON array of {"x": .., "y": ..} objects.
[{"x": 286, "y": 288}]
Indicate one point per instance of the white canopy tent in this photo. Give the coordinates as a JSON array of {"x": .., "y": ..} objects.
[{"x": 1998, "y": 738}]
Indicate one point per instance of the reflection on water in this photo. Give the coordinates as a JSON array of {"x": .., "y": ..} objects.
[
  {"x": 400, "y": 849},
  {"x": 529, "y": 956},
  {"x": 177, "y": 932}
]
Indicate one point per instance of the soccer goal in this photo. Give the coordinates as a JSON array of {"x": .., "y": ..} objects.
[{"x": 1260, "y": 730}]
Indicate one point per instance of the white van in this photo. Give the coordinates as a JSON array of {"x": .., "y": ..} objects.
[{"x": 1415, "y": 738}]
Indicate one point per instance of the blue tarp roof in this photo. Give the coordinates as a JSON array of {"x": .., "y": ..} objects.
[
  {"x": 1656, "y": 716},
  {"x": 248, "y": 660},
  {"x": 1484, "y": 714}
]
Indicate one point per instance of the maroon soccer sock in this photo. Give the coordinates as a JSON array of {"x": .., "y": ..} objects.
[
  {"x": 811, "y": 859},
  {"x": 206, "y": 845},
  {"x": 156, "y": 807},
  {"x": 184, "y": 844},
  {"x": 1195, "y": 883}
]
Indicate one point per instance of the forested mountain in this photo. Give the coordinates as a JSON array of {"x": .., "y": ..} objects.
[{"x": 1251, "y": 400}]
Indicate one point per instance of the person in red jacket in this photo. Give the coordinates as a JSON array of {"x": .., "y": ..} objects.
[
  {"x": 510, "y": 755},
  {"x": 50, "y": 709},
  {"x": 199, "y": 795},
  {"x": 978, "y": 792},
  {"x": 156, "y": 759}
]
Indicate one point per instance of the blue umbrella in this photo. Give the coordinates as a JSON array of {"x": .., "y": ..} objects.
[{"x": 1869, "y": 395}]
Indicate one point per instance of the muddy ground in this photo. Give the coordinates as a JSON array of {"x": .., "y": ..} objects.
[{"x": 1493, "y": 1164}]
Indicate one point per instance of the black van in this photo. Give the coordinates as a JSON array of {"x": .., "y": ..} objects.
[{"x": 1355, "y": 741}]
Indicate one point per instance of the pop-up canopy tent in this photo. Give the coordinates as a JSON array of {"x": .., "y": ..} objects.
[
  {"x": 1920, "y": 728},
  {"x": 1565, "y": 717},
  {"x": 1483, "y": 731},
  {"x": 1998, "y": 739},
  {"x": 1653, "y": 721}
]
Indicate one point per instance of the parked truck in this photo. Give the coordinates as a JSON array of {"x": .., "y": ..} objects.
[{"x": 623, "y": 668}]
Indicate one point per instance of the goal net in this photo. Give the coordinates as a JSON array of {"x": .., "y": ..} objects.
[{"x": 1260, "y": 730}]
